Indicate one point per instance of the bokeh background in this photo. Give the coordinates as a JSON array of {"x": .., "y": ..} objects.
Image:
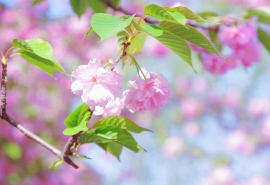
[{"x": 215, "y": 130}]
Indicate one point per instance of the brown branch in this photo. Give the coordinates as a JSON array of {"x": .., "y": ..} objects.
[
  {"x": 31, "y": 135},
  {"x": 3, "y": 102},
  {"x": 71, "y": 143},
  {"x": 122, "y": 54},
  {"x": 22, "y": 129},
  {"x": 213, "y": 27}
]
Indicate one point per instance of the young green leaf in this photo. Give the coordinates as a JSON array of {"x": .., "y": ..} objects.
[
  {"x": 184, "y": 11},
  {"x": 56, "y": 163},
  {"x": 39, "y": 53},
  {"x": 77, "y": 120},
  {"x": 263, "y": 13},
  {"x": 112, "y": 147},
  {"x": 153, "y": 30},
  {"x": 79, "y": 6},
  {"x": 177, "y": 45},
  {"x": 162, "y": 14},
  {"x": 106, "y": 25},
  {"x": 90, "y": 30},
  {"x": 120, "y": 122},
  {"x": 97, "y": 6},
  {"x": 207, "y": 15},
  {"x": 264, "y": 37},
  {"x": 75, "y": 130},
  {"x": 137, "y": 43},
  {"x": 189, "y": 34},
  {"x": 180, "y": 18},
  {"x": 111, "y": 133}
]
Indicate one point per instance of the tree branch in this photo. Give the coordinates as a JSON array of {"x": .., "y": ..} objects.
[{"x": 22, "y": 129}]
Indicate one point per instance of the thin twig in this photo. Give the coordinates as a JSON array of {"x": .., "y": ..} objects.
[
  {"x": 22, "y": 129},
  {"x": 31, "y": 135},
  {"x": 122, "y": 54}
]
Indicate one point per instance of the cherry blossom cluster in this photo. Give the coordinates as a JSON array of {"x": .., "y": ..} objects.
[
  {"x": 99, "y": 86},
  {"x": 240, "y": 41}
]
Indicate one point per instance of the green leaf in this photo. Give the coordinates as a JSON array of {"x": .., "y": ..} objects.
[
  {"x": 180, "y": 18},
  {"x": 35, "y": 2},
  {"x": 184, "y": 11},
  {"x": 79, "y": 6},
  {"x": 106, "y": 25},
  {"x": 106, "y": 134},
  {"x": 137, "y": 43},
  {"x": 208, "y": 15},
  {"x": 97, "y": 6},
  {"x": 112, "y": 147},
  {"x": 263, "y": 13},
  {"x": 264, "y": 37},
  {"x": 160, "y": 13},
  {"x": 39, "y": 53},
  {"x": 120, "y": 122},
  {"x": 82, "y": 156},
  {"x": 80, "y": 114},
  {"x": 177, "y": 45},
  {"x": 74, "y": 130},
  {"x": 90, "y": 30},
  {"x": 13, "y": 150},
  {"x": 189, "y": 34},
  {"x": 77, "y": 120},
  {"x": 56, "y": 163},
  {"x": 153, "y": 30}
]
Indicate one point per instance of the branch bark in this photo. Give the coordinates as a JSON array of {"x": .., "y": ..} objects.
[{"x": 26, "y": 132}]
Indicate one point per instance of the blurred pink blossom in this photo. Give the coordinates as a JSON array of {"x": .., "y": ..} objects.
[
  {"x": 232, "y": 98},
  {"x": 156, "y": 48},
  {"x": 238, "y": 140},
  {"x": 257, "y": 107},
  {"x": 220, "y": 175},
  {"x": 191, "y": 129},
  {"x": 237, "y": 36},
  {"x": 215, "y": 64},
  {"x": 265, "y": 129},
  {"x": 257, "y": 180},
  {"x": 96, "y": 85},
  {"x": 250, "y": 53},
  {"x": 191, "y": 107},
  {"x": 200, "y": 85},
  {"x": 149, "y": 94},
  {"x": 172, "y": 146}
]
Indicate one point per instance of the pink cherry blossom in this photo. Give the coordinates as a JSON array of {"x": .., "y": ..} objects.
[
  {"x": 113, "y": 107},
  {"x": 148, "y": 94},
  {"x": 215, "y": 64},
  {"x": 250, "y": 53},
  {"x": 96, "y": 85},
  {"x": 236, "y": 36}
]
